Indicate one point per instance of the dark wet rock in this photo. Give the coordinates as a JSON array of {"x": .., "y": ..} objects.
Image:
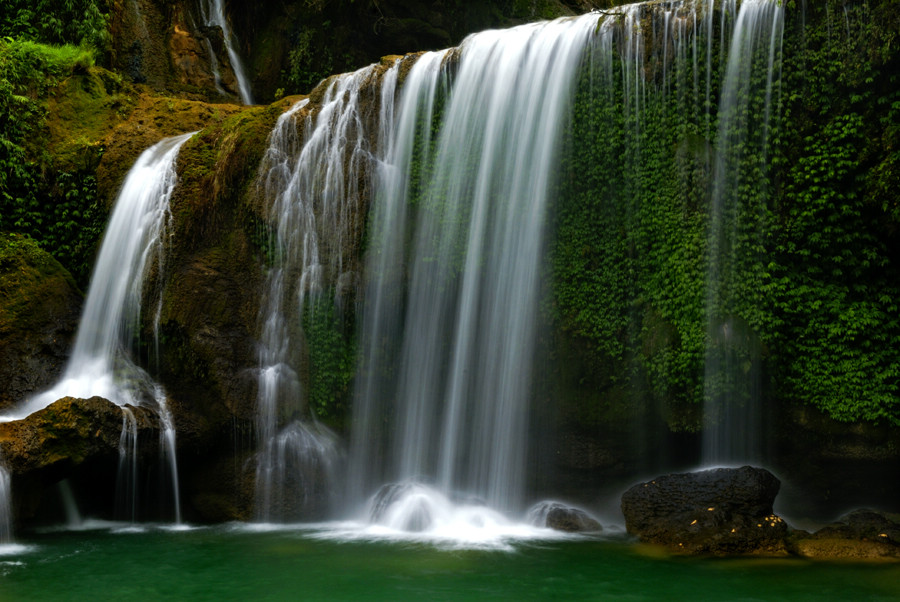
[
  {"x": 561, "y": 517},
  {"x": 718, "y": 511},
  {"x": 39, "y": 309},
  {"x": 861, "y": 535}
]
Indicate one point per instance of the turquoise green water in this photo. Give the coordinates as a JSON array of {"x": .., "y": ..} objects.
[{"x": 228, "y": 563}]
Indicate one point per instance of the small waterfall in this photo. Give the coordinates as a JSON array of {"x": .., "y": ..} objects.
[
  {"x": 127, "y": 477},
  {"x": 455, "y": 260},
  {"x": 733, "y": 412},
  {"x": 6, "y": 533},
  {"x": 100, "y": 363},
  {"x": 213, "y": 12},
  {"x": 70, "y": 506},
  {"x": 312, "y": 190}
]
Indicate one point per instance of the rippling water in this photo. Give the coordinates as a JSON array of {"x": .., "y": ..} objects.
[{"x": 337, "y": 561}]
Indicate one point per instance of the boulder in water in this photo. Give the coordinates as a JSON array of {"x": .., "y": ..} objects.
[
  {"x": 718, "y": 511},
  {"x": 71, "y": 438},
  {"x": 862, "y": 534},
  {"x": 558, "y": 516}
]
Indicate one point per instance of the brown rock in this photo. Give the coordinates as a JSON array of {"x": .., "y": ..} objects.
[
  {"x": 719, "y": 511},
  {"x": 65, "y": 434}
]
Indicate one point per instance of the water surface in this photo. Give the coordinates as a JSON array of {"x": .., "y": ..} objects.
[{"x": 240, "y": 562}]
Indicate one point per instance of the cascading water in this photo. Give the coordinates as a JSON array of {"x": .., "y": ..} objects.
[
  {"x": 5, "y": 505},
  {"x": 733, "y": 412},
  {"x": 213, "y": 12},
  {"x": 456, "y": 240},
  {"x": 311, "y": 190},
  {"x": 455, "y": 265},
  {"x": 100, "y": 363}
]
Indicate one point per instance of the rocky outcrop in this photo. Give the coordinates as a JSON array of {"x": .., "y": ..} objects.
[
  {"x": 39, "y": 309},
  {"x": 860, "y": 535},
  {"x": 167, "y": 46},
  {"x": 67, "y": 433},
  {"x": 718, "y": 511},
  {"x": 71, "y": 438}
]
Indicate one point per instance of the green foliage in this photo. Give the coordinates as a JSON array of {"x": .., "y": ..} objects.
[
  {"x": 629, "y": 263},
  {"x": 28, "y": 276},
  {"x": 805, "y": 242},
  {"x": 60, "y": 210},
  {"x": 832, "y": 281},
  {"x": 313, "y": 58},
  {"x": 79, "y": 22},
  {"x": 332, "y": 355}
]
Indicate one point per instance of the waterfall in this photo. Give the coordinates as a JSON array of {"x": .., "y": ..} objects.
[
  {"x": 456, "y": 254},
  {"x": 213, "y": 12},
  {"x": 733, "y": 413},
  {"x": 5, "y": 504},
  {"x": 70, "y": 506},
  {"x": 133, "y": 244},
  {"x": 311, "y": 188}
]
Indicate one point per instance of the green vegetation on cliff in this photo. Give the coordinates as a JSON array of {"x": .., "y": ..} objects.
[
  {"x": 811, "y": 296},
  {"x": 52, "y": 201},
  {"x": 79, "y": 22}
]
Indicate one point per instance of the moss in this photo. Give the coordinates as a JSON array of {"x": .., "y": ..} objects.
[
  {"x": 81, "y": 112},
  {"x": 69, "y": 432},
  {"x": 30, "y": 279},
  {"x": 217, "y": 170}
]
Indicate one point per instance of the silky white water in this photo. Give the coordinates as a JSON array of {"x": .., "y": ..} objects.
[
  {"x": 311, "y": 188},
  {"x": 134, "y": 241},
  {"x": 101, "y": 363},
  {"x": 451, "y": 314},
  {"x": 214, "y": 14},
  {"x": 733, "y": 421},
  {"x": 5, "y": 505}
]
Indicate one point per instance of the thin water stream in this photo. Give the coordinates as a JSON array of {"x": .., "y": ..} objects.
[{"x": 213, "y": 12}]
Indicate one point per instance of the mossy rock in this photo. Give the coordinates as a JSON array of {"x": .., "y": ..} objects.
[
  {"x": 75, "y": 439},
  {"x": 67, "y": 433},
  {"x": 209, "y": 310},
  {"x": 39, "y": 310}
]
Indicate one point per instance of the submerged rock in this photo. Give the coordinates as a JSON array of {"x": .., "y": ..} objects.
[
  {"x": 719, "y": 511},
  {"x": 406, "y": 506},
  {"x": 862, "y": 534},
  {"x": 561, "y": 517}
]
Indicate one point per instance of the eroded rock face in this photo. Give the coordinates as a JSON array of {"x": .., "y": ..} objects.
[
  {"x": 719, "y": 511},
  {"x": 65, "y": 434}
]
